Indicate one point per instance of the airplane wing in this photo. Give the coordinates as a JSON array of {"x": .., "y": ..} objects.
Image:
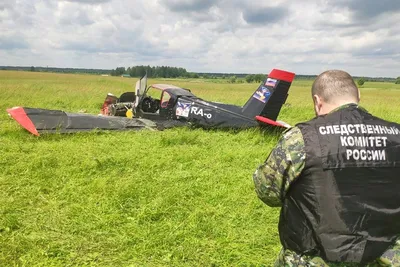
[{"x": 38, "y": 121}]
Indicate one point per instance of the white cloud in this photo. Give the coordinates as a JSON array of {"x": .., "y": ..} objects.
[{"x": 306, "y": 36}]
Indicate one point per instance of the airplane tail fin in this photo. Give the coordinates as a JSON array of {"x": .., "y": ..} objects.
[{"x": 269, "y": 97}]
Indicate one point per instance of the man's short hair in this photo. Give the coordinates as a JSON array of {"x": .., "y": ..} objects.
[{"x": 333, "y": 85}]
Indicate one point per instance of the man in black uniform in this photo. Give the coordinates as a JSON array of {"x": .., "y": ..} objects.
[{"x": 337, "y": 180}]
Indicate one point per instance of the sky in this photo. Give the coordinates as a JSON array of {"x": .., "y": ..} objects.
[{"x": 224, "y": 36}]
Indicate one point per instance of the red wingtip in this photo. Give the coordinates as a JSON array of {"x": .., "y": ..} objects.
[
  {"x": 282, "y": 75},
  {"x": 18, "y": 113},
  {"x": 269, "y": 121}
]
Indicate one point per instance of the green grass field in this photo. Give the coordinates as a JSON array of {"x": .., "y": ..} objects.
[{"x": 180, "y": 197}]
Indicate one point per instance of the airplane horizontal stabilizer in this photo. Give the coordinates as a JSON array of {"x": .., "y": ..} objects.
[{"x": 272, "y": 122}]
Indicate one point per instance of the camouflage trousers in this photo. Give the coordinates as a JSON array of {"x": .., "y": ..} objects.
[{"x": 288, "y": 258}]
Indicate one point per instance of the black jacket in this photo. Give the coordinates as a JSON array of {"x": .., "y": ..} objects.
[{"x": 345, "y": 206}]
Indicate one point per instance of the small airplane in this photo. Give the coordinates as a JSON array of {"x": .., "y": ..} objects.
[{"x": 175, "y": 107}]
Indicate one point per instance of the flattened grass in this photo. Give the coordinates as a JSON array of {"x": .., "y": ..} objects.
[{"x": 181, "y": 197}]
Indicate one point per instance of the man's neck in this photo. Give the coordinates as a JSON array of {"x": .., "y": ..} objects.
[{"x": 328, "y": 108}]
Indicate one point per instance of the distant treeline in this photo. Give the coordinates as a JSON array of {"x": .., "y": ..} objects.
[
  {"x": 152, "y": 72},
  {"x": 54, "y": 69},
  {"x": 174, "y": 72},
  {"x": 366, "y": 79}
]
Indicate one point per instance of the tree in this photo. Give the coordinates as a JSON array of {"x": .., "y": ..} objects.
[
  {"x": 249, "y": 78},
  {"x": 232, "y": 79},
  {"x": 361, "y": 81},
  {"x": 32, "y": 68},
  {"x": 194, "y": 75},
  {"x": 158, "y": 72},
  {"x": 259, "y": 77},
  {"x": 397, "y": 80}
]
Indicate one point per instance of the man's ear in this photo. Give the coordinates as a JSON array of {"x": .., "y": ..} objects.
[{"x": 317, "y": 104}]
